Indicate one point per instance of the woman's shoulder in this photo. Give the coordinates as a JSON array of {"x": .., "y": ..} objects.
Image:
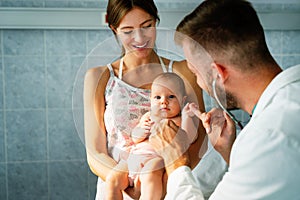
[
  {"x": 175, "y": 62},
  {"x": 182, "y": 68},
  {"x": 96, "y": 71},
  {"x": 98, "y": 74},
  {"x": 181, "y": 64}
]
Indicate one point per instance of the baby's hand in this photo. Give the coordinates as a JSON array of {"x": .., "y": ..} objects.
[
  {"x": 190, "y": 110},
  {"x": 146, "y": 123},
  {"x": 142, "y": 130}
]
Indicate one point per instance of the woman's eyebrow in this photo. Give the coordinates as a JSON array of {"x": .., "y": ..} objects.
[
  {"x": 146, "y": 21},
  {"x": 149, "y": 20}
]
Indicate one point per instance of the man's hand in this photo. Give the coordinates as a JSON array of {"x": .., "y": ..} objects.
[
  {"x": 220, "y": 129},
  {"x": 171, "y": 143}
]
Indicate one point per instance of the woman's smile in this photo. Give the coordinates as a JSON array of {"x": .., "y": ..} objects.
[{"x": 141, "y": 46}]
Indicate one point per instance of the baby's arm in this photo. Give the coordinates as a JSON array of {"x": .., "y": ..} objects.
[
  {"x": 187, "y": 123},
  {"x": 142, "y": 130}
]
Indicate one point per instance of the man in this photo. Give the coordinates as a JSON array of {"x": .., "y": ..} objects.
[{"x": 264, "y": 160}]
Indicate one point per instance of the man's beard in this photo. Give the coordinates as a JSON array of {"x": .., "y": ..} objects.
[
  {"x": 227, "y": 99},
  {"x": 231, "y": 101}
]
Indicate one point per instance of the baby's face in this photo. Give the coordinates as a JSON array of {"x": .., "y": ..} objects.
[{"x": 165, "y": 103}]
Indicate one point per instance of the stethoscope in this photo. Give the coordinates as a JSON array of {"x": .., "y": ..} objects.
[{"x": 237, "y": 122}]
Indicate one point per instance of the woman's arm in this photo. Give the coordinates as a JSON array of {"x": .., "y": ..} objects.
[
  {"x": 95, "y": 135},
  {"x": 100, "y": 163}
]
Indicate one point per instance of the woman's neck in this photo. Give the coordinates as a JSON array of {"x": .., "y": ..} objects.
[{"x": 130, "y": 61}]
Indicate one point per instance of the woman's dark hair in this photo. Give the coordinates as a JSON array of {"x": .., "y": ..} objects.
[{"x": 117, "y": 9}]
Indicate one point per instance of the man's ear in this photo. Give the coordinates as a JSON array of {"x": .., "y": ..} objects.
[{"x": 221, "y": 71}]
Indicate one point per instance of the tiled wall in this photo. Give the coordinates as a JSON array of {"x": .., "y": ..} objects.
[{"x": 41, "y": 155}]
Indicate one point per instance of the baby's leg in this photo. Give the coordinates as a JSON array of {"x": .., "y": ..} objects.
[
  {"x": 151, "y": 178},
  {"x": 116, "y": 182}
]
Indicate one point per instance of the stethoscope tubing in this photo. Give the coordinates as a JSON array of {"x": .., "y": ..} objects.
[{"x": 237, "y": 122}]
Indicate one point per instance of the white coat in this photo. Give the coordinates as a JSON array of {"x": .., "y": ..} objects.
[{"x": 265, "y": 158}]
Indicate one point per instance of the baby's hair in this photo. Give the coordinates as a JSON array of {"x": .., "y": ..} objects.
[{"x": 176, "y": 80}]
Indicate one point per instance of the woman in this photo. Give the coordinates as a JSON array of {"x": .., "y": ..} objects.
[{"x": 118, "y": 88}]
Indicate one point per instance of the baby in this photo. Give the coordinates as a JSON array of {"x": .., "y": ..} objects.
[{"x": 168, "y": 96}]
